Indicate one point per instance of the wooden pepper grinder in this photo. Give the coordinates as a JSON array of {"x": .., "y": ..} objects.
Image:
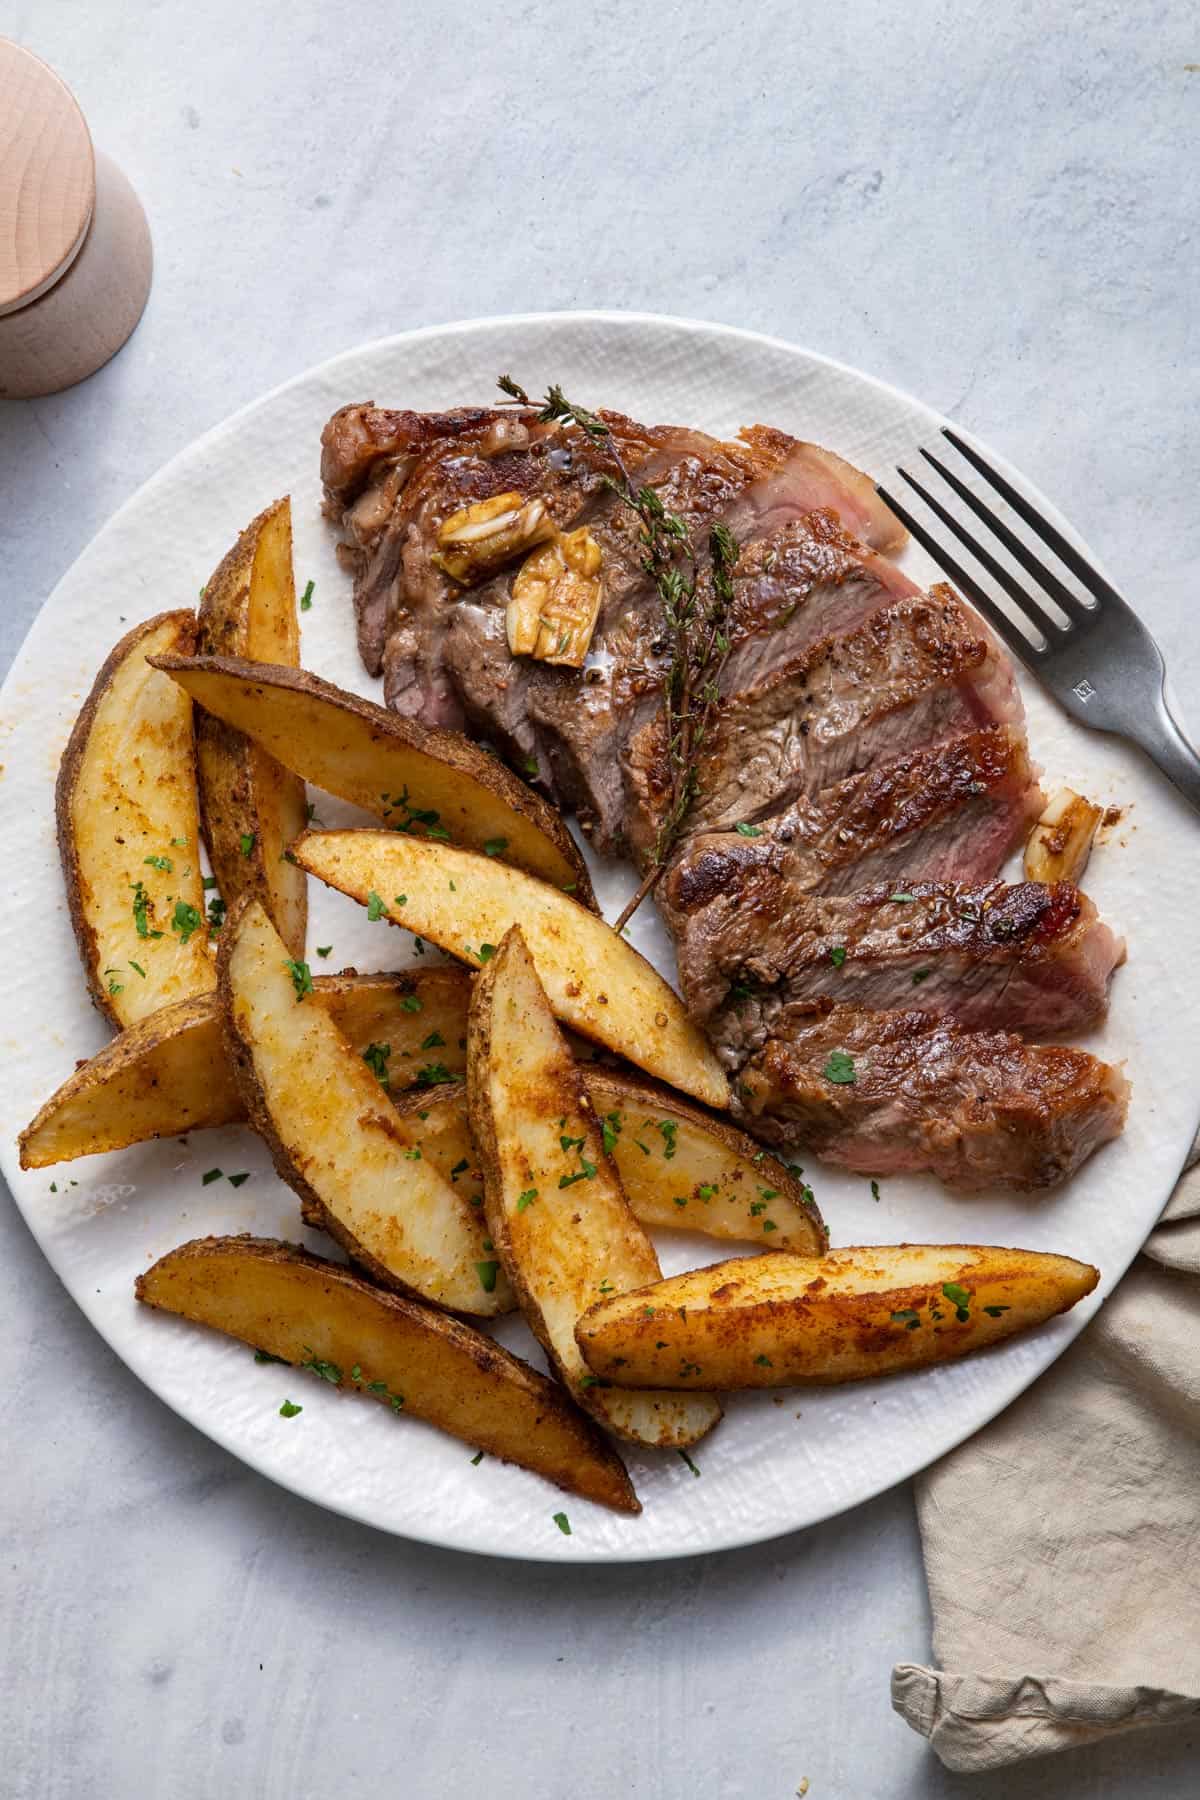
[{"x": 75, "y": 256}]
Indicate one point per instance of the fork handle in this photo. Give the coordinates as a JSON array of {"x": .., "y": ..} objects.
[{"x": 1165, "y": 744}]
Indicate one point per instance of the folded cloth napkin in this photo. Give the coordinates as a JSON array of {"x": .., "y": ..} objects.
[{"x": 1062, "y": 1543}]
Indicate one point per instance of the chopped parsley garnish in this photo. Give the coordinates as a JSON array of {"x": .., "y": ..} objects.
[
  {"x": 115, "y": 988},
  {"x": 680, "y": 1199},
  {"x": 769, "y": 1225},
  {"x": 459, "y": 1168},
  {"x": 376, "y": 1058},
  {"x": 920, "y": 975},
  {"x": 207, "y": 882},
  {"x": 960, "y": 1297},
  {"x": 289, "y": 1411},
  {"x": 670, "y": 1132},
  {"x": 141, "y": 912},
  {"x": 306, "y": 597},
  {"x": 247, "y": 842},
  {"x": 908, "y": 1318},
  {"x": 612, "y": 1131},
  {"x": 530, "y": 765},
  {"x": 265, "y": 1356},
  {"x": 764, "y": 1362},
  {"x": 185, "y": 920},
  {"x": 375, "y": 907},
  {"x": 410, "y": 1003},
  {"x": 399, "y": 899},
  {"x": 495, "y": 847},
  {"x": 526, "y": 1199},
  {"x": 994, "y": 1312},
  {"x": 486, "y": 952},
  {"x": 563, "y": 1523},
  {"x": 691, "y": 1465},
  {"x": 586, "y": 1173},
  {"x": 487, "y": 1272},
  {"x": 477, "y": 1459},
  {"x": 768, "y": 1193},
  {"x": 747, "y": 830},
  {"x": 159, "y": 862},
  {"x": 899, "y": 896},
  {"x": 179, "y": 843},
  {"x": 301, "y": 976},
  {"x": 875, "y": 1190},
  {"x": 328, "y": 1371},
  {"x": 210, "y": 1176},
  {"x": 216, "y": 914},
  {"x": 413, "y": 1155},
  {"x": 839, "y": 1069},
  {"x": 324, "y": 949},
  {"x": 435, "y": 1041},
  {"x": 757, "y": 1207},
  {"x": 569, "y": 1143},
  {"x": 138, "y": 969},
  {"x": 837, "y": 955},
  {"x": 433, "y": 1074},
  {"x": 237, "y": 1180},
  {"x": 688, "y": 1368}
]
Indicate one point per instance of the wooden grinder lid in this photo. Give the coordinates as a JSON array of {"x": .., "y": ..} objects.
[{"x": 47, "y": 177}]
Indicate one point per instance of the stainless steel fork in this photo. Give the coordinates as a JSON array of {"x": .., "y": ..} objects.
[{"x": 1098, "y": 661}]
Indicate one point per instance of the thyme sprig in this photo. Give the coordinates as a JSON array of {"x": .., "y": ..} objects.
[{"x": 697, "y": 620}]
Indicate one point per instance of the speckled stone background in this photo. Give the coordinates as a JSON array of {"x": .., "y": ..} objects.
[{"x": 993, "y": 207}]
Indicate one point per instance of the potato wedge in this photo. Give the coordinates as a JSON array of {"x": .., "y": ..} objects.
[
  {"x": 128, "y": 831},
  {"x": 778, "y": 1321},
  {"x": 171, "y": 1073},
  {"x": 336, "y": 1138},
  {"x": 278, "y": 1298},
  {"x": 555, "y": 1207},
  {"x": 415, "y": 777},
  {"x": 682, "y": 1168},
  {"x": 595, "y": 981},
  {"x": 251, "y": 807}
]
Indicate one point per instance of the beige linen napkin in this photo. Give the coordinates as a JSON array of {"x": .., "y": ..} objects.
[{"x": 1062, "y": 1543}]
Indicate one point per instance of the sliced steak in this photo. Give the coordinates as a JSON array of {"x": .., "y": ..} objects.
[
  {"x": 978, "y": 1109},
  {"x": 916, "y": 672},
  {"x": 1027, "y": 958}
]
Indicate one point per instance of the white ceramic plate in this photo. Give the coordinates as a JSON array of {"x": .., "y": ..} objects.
[{"x": 775, "y": 1463}]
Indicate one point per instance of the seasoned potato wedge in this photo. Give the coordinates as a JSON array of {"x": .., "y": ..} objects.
[
  {"x": 171, "y": 1073},
  {"x": 595, "y": 981},
  {"x": 555, "y": 1206},
  {"x": 251, "y": 806},
  {"x": 776, "y": 1321},
  {"x": 128, "y": 831},
  {"x": 313, "y": 1313},
  {"x": 682, "y": 1168},
  {"x": 336, "y": 1138},
  {"x": 415, "y": 777}
]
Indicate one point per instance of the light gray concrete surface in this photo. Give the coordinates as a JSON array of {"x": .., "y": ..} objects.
[{"x": 991, "y": 206}]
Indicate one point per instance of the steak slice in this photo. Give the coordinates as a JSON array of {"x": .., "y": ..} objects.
[
  {"x": 916, "y": 672},
  {"x": 1030, "y": 958},
  {"x": 978, "y": 1109},
  {"x": 946, "y": 812}
]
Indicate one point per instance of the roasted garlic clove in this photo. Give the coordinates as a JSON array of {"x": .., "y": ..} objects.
[
  {"x": 480, "y": 539},
  {"x": 556, "y": 600},
  {"x": 1061, "y": 841}
]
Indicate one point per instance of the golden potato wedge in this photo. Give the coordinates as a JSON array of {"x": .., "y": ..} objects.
[
  {"x": 251, "y": 807},
  {"x": 128, "y": 831},
  {"x": 320, "y": 1316},
  {"x": 555, "y": 1207},
  {"x": 682, "y": 1168},
  {"x": 416, "y": 777},
  {"x": 336, "y": 1138},
  {"x": 595, "y": 981},
  {"x": 779, "y": 1320},
  {"x": 171, "y": 1073}
]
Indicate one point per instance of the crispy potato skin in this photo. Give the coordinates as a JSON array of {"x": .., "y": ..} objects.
[
  {"x": 574, "y": 1235},
  {"x": 280, "y": 1299},
  {"x": 249, "y": 610},
  {"x": 170, "y": 1073},
  {"x": 778, "y": 1321},
  {"x": 127, "y": 787},
  {"x": 369, "y": 756},
  {"x": 335, "y": 1137},
  {"x": 596, "y": 982}
]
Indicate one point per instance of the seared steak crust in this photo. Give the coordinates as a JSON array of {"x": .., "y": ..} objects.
[{"x": 914, "y": 1092}]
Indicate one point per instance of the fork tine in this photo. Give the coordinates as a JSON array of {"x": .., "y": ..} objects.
[
  {"x": 1066, "y": 553},
  {"x": 983, "y": 603},
  {"x": 1034, "y": 614},
  {"x": 1033, "y": 565}
]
